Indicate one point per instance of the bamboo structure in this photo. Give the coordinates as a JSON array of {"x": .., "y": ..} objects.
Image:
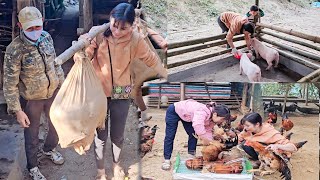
[
  {"x": 291, "y": 40},
  {"x": 312, "y": 77},
  {"x": 285, "y": 98},
  {"x": 291, "y": 32},
  {"x": 202, "y": 46},
  {"x": 196, "y": 59},
  {"x": 79, "y": 45},
  {"x": 195, "y": 41},
  {"x": 292, "y": 49}
]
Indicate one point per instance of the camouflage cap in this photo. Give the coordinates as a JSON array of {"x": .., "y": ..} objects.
[{"x": 30, "y": 16}]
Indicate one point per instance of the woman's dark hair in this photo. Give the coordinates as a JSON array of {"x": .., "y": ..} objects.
[
  {"x": 254, "y": 8},
  {"x": 122, "y": 13},
  {"x": 221, "y": 110},
  {"x": 248, "y": 27},
  {"x": 252, "y": 118}
]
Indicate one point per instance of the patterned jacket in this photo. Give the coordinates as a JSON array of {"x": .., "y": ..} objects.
[{"x": 30, "y": 70}]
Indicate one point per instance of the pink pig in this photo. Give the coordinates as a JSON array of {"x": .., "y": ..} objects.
[
  {"x": 267, "y": 53},
  {"x": 250, "y": 69}
]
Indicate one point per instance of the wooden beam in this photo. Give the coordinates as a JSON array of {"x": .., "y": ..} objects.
[
  {"x": 195, "y": 41},
  {"x": 14, "y": 18},
  {"x": 292, "y": 40},
  {"x": 291, "y": 32},
  {"x": 202, "y": 46},
  {"x": 196, "y": 59},
  {"x": 315, "y": 74},
  {"x": 300, "y": 60},
  {"x": 292, "y": 49},
  {"x": 68, "y": 53}
]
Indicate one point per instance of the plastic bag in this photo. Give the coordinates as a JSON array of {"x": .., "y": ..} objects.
[{"x": 79, "y": 107}]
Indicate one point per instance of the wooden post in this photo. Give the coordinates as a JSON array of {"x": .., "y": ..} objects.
[
  {"x": 307, "y": 93},
  {"x": 14, "y": 18},
  {"x": 285, "y": 98},
  {"x": 244, "y": 94},
  {"x": 292, "y": 32},
  {"x": 159, "y": 97},
  {"x": 81, "y": 13},
  {"x": 182, "y": 91},
  {"x": 252, "y": 97},
  {"x": 87, "y": 15}
]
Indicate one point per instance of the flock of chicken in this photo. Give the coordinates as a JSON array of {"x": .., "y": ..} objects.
[
  {"x": 270, "y": 161},
  {"x": 212, "y": 155}
]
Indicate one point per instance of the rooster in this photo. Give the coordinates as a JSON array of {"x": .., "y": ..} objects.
[
  {"x": 270, "y": 161},
  {"x": 147, "y": 139},
  {"x": 272, "y": 117},
  {"x": 286, "y": 124}
]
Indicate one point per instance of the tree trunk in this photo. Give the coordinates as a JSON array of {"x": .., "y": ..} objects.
[{"x": 285, "y": 98}]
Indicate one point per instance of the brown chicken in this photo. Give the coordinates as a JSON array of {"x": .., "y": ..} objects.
[
  {"x": 286, "y": 124},
  {"x": 270, "y": 161},
  {"x": 272, "y": 117},
  {"x": 196, "y": 163},
  {"x": 211, "y": 152},
  {"x": 221, "y": 168},
  {"x": 147, "y": 139}
]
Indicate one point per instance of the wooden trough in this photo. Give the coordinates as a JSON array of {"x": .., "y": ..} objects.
[{"x": 296, "y": 63}]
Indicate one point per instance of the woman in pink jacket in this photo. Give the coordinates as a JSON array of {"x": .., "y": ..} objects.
[{"x": 196, "y": 118}]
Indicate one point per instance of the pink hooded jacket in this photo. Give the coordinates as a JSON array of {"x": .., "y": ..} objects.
[{"x": 197, "y": 113}]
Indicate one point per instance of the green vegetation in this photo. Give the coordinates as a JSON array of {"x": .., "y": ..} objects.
[{"x": 295, "y": 90}]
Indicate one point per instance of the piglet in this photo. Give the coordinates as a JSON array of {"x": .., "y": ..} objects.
[
  {"x": 267, "y": 53},
  {"x": 250, "y": 69}
]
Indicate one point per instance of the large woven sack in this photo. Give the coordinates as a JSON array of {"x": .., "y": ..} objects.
[{"x": 79, "y": 107}]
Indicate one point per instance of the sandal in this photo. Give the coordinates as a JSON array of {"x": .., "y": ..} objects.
[
  {"x": 118, "y": 172},
  {"x": 166, "y": 165},
  {"x": 101, "y": 177}
]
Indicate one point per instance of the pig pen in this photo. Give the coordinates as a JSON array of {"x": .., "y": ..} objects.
[
  {"x": 226, "y": 68},
  {"x": 208, "y": 59}
]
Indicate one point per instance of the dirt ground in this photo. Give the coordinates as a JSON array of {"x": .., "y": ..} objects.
[{"x": 305, "y": 162}]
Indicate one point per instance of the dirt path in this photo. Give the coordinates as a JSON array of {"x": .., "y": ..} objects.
[{"x": 305, "y": 162}]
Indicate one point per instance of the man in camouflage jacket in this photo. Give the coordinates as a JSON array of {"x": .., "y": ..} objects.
[{"x": 31, "y": 81}]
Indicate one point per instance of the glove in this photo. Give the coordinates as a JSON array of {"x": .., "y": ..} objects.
[{"x": 234, "y": 51}]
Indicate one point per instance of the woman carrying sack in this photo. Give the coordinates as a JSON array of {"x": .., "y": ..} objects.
[{"x": 112, "y": 53}]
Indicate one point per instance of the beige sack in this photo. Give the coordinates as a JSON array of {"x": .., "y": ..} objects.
[{"x": 79, "y": 107}]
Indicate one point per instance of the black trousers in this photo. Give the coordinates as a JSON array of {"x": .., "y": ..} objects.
[
  {"x": 118, "y": 109},
  {"x": 33, "y": 109},
  {"x": 250, "y": 151},
  {"x": 222, "y": 25}
]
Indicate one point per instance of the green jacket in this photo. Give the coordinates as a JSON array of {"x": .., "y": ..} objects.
[{"x": 30, "y": 71}]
